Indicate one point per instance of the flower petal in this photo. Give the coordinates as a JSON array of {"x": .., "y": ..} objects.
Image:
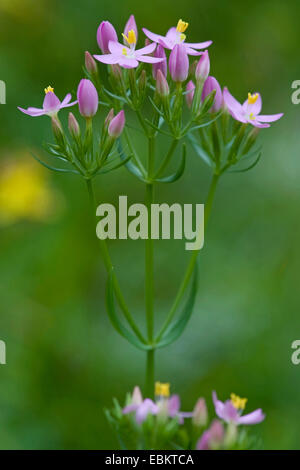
[
  {"x": 149, "y": 60},
  {"x": 231, "y": 103},
  {"x": 51, "y": 103},
  {"x": 173, "y": 405},
  {"x": 107, "y": 59},
  {"x": 199, "y": 45},
  {"x": 117, "y": 48},
  {"x": 147, "y": 49},
  {"x": 269, "y": 117},
  {"x": 219, "y": 406},
  {"x": 34, "y": 112},
  {"x": 191, "y": 51},
  {"x": 130, "y": 408},
  {"x": 128, "y": 63},
  {"x": 255, "y": 417},
  {"x": 154, "y": 37}
]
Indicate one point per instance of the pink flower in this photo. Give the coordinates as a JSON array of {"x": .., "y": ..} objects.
[
  {"x": 175, "y": 36},
  {"x": 106, "y": 32},
  {"x": 210, "y": 85},
  {"x": 51, "y": 106},
  {"x": 249, "y": 111},
  {"x": 179, "y": 63},
  {"x": 190, "y": 90},
  {"x": 231, "y": 411},
  {"x": 212, "y": 438},
  {"x": 88, "y": 99},
  {"x": 128, "y": 57}
]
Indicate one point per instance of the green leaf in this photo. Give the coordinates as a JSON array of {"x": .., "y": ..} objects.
[
  {"x": 176, "y": 329},
  {"x": 249, "y": 167},
  {"x": 59, "y": 170},
  {"x": 179, "y": 172},
  {"x": 115, "y": 321},
  {"x": 199, "y": 151}
]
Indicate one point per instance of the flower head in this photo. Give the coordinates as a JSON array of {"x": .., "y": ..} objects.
[
  {"x": 231, "y": 411},
  {"x": 116, "y": 125},
  {"x": 176, "y": 35},
  {"x": 249, "y": 111},
  {"x": 51, "y": 105},
  {"x": 190, "y": 90},
  {"x": 179, "y": 63},
  {"x": 128, "y": 57},
  {"x": 162, "y": 66},
  {"x": 210, "y": 85},
  {"x": 212, "y": 438},
  {"x": 130, "y": 33},
  {"x": 106, "y": 32},
  {"x": 88, "y": 99}
]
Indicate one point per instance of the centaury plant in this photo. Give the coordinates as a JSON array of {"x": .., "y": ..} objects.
[{"x": 172, "y": 96}]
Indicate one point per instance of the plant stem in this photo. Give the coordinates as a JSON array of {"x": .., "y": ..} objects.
[
  {"x": 149, "y": 284},
  {"x": 166, "y": 161},
  {"x": 109, "y": 267},
  {"x": 192, "y": 262}
]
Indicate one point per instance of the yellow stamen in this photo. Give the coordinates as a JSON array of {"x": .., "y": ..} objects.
[
  {"x": 182, "y": 26},
  {"x": 182, "y": 37},
  {"x": 49, "y": 89},
  {"x": 252, "y": 117},
  {"x": 252, "y": 98},
  {"x": 238, "y": 402},
  {"x": 124, "y": 51},
  {"x": 162, "y": 389},
  {"x": 131, "y": 38}
]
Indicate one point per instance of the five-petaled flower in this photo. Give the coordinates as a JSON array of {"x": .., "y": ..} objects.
[
  {"x": 249, "y": 111},
  {"x": 128, "y": 57},
  {"x": 51, "y": 106},
  {"x": 175, "y": 36},
  {"x": 231, "y": 411}
]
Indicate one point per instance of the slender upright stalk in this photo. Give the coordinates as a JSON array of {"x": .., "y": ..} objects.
[
  {"x": 109, "y": 268},
  {"x": 149, "y": 275},
  {"x": 190, "y": 268}
]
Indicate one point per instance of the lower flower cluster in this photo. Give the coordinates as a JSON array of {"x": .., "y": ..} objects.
[{"x": 160, "y": 424}]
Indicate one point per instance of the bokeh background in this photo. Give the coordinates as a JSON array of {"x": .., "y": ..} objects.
[{"x": 64, "y": 360}]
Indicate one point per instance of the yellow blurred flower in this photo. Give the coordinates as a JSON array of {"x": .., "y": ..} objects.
[{"x": 25, "y": 192}]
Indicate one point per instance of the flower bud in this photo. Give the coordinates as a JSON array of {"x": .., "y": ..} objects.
[
  {"x": 203, "y": 67},
  {"x": 131, "y": 26},
  {"x": 108, "y": 118},
  {"x": 210, "y": 85},
  {"x": 90, "y": 64},
  {"x": 179, "y": 63},
  {"x": 160, "y": 53},
  {"x": 200, "y": 413},
  {"x": 106, "y": 32},
  {"x": 74, "y": 128},
  {"x": 162, "y": 86},
  {"x": 116, "y": 125},
  {"x": 136, "y": 398},
  {"x": 190, "y": 91},
  {"x": 88, "y": 99},
  {"x": 213, "y": 438},
  {"x": 56, "y": 127}
]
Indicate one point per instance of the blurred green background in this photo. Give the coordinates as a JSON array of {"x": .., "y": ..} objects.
[{"x": 64, "y": 360}]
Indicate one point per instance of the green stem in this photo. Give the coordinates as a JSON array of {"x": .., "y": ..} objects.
[
  {"x": 149, "y": 275},
  {"x": 150, "y": 373},
  {"x": 192, "y": 262},
  {"x": 166, "y": 161},
  {"x": 110, "y": 268}
]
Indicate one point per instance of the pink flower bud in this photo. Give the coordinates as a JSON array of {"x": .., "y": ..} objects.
[
  {"x": 210, "y": 85},
  {"x": 160, "y": 53},
  {"x": 131, "y": 25},
  {"x": 108, "y": 118},
  {"x": 88, "y": 99},
  {"x": 162, "y": 86},
  {"x": 203, "y": 67},
  {"x": 212, "y": 438},
  {"x": 90, "y": 64},
  {"x": 116, "y": 125},
  {"x": 179, "y": 63},
  {"x": 106, "y": 32},
  {"x": 56, "y": 126},
  {"x": 190, "y": 90},
  {"x": 74, "y": 128},
  {"x": 200, "y": 413}
]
